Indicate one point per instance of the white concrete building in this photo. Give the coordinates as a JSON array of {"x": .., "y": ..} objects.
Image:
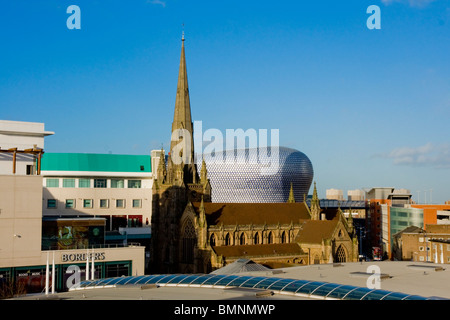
[
  {"x": 21, "y": 145},
  {"x": 23, "y": 259}
]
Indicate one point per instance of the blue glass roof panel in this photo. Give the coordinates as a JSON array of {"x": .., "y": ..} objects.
[
  {"x": 279, "y": 285},
  {"x": 415, "y": 297},
  {"x": 177, "y": 279},
  {"x": 395, "y": 296},
  {"x": 212, "y": 280},
  {"x": 104, "y": 282},
  {"x": 376, "y": 295},
  {"x": 146, "y": 279},
  {"x": 294, "y": 286},
  {"x": 357, "y": 294},
  {"x": 252, "y": 282},
  {"x": 341, "y": 291},
  {"x": 325, "y": 289},
  {"x": 133, "y": 280},
  {"x": 189, "y": 279},
  {"x": 238, "y": 281},
  {"x": 266, "y": 283},
  {"x": 122, "y": 280},
  {"x": 201, "y": 278},
  {"x": 310, "y": 287},
  {"x": 226, "y": 280}
]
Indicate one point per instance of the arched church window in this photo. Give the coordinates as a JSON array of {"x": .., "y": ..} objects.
[
  {"x": 227, "y": 239},
  {"x": 188, "y": 242},
  {"x": 212, "y": 240},
  {"x": 340, "y": 255},
  {"x": 256, "y": 238},
  {"x": 242, "y": 239},
  {"x": 283, "y": 237},
  {"x": 270, "y": 237},
  {"x": 316, "y": 259}
]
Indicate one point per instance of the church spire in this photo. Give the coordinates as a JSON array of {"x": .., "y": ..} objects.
[
  {"x": 182, "y": 115},
  {"x": 315, "y": 205},
  {"x": 291, "y": 195}
]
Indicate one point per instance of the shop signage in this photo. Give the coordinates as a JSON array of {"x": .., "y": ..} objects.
[{"x": 72, "y": 257}]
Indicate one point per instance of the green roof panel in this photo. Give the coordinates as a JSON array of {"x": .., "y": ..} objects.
[{"x": 95, "y": 162}]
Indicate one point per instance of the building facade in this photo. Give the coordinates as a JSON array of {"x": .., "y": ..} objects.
[
  {"x": 21, "y": 146},
  {"x": 214, "y": 235},
  {"x": 242, "y": 177},
  {"x": 378, "y": 218},
  {"x": 417, "y": 244},
  {"x": 23, "y": 261},
  {"x": 111, "y": 186},
  {"x": 190, "y": 233}
]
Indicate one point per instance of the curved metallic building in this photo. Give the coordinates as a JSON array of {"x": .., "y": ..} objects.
[{"x": 258, "y": 174}]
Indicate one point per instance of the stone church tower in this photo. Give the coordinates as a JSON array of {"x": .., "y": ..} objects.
[{"x": 177, "y": 182}]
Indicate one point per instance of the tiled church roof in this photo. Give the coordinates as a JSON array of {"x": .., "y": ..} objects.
[
  {"x": 258, "y": 250},
  {"x": 253, "y": 213}
]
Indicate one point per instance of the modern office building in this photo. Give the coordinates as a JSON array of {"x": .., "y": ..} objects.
[
  {"x": 378, "y": 219},
  {"x": 355, "y": 195},
  {"x": 245, "y": 176},
  {"x": 112, "y": 186},
  {"x": 434, "y": 213},
  {"x": 23, "y": 261},
  {"x": 334, "y": 194}
]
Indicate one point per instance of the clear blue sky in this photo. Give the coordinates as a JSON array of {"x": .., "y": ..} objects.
[{"x": 370, "y": 108}]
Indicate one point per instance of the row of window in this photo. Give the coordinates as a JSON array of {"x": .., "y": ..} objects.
[
  {"x": 422, "y": 258},
  {"x": 89, "y": 183},
  {"x": 422, "y": 248},
  {"x": 89, "y": 203},
  {"x": 257, "y": 239}
]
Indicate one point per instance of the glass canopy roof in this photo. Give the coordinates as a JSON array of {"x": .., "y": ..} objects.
[{"x": 313, "y": 289}]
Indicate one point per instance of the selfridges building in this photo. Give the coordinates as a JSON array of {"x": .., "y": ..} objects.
[{"x": 258, "y": 175}]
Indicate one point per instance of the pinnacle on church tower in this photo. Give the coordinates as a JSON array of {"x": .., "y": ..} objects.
[
  {"x": 315, "y": 205},
  {"x": 291, "y": 195}
]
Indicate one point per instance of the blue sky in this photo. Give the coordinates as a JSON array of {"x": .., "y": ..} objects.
[{"x": 370, "y": 108}]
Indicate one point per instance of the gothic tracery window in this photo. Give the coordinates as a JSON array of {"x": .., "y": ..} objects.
[
  {"x": 188, "y": 242},
  {"x": 340, "y": 254}
]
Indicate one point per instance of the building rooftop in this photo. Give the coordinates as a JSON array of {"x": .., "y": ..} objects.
[
  {"x": 253, "y": 213},
  {"x": 23, "y": 128},
  {"x": 402, "y": 280},
  {"x": 91, "y": 162}
]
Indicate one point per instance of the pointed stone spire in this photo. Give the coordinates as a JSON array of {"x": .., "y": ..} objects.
[
  {"x": 182, "y": 115},
  {"x": 202, "y": 214},
  {"x": 315, "y": 205},
  {"x": 161, "y": 171},
  {"x": 350, "y": 219},
  {"x": 203, "y": 173},
  {"x": 291, "y": 195}
]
